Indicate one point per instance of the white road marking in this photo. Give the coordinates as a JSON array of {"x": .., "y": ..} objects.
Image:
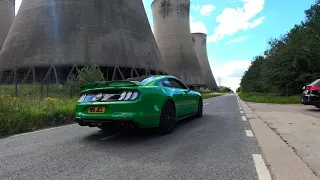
[
  {"x": 244, "y": 118},
  {"x": 109, "y": 137},
  {"x": 240, "y": 107},
  {"x": 262, "y": 170},
  {"x": 23, "y": 134},
  {"x": 249, "y": 133},
  {"x": 206, "y": 104},
  {"x": 241, "y": 112}
]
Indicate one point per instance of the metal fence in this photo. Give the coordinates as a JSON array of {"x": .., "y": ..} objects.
[{"x": 39, "y": 90}]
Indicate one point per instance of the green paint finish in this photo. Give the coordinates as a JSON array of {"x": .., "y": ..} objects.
[{"x": 145, "y": 110}]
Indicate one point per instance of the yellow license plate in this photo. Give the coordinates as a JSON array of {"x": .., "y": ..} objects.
[{"x": 97, "y": 110}]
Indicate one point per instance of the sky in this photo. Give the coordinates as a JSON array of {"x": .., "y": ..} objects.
[{"x": 238, "y": 30}]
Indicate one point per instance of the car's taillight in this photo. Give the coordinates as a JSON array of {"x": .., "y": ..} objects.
[
  {"x": 82, "y": 97},
  {"x": 312, "y": 88},
  {"x": 130, "y": 95}
]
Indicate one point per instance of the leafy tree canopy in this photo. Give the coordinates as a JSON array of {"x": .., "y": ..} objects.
[{"x": 290, "y": 61}]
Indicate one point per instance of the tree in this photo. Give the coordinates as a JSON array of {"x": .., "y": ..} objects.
[
  {"x": 290, "y": 60},
  {"x": 88, "y": 74}
]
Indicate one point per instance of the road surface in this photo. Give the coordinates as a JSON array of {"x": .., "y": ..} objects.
[{"x": 216, "y": 146}]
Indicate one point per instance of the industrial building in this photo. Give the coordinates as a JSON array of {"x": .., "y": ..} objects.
[
  {"x": 173, "y": 35},
  {"x": 6, "y": 18},
  {"x": 200, "y": 46},
  {"x": 49, "y": 40}
]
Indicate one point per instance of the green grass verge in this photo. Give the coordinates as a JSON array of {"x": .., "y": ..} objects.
[
  {"x": 269, "y": 98},
  {"x": 28, "y": 114},
  {"x": 211, "y": 95}
]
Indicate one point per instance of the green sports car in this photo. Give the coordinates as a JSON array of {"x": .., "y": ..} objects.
[{"x": 144, "y": 102}]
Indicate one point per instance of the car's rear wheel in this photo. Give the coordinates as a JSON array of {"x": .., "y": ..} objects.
[
  {"x": 167, "y": 118},
  {"x": 200, "y": 108}
]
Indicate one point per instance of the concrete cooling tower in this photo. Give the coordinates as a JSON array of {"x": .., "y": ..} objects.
[
  {"x": 172, "y": 32},
  {"x": 50, "y": 39},
  {"x": 6, "y": 18},
  {"x": 200, "y": 45}
]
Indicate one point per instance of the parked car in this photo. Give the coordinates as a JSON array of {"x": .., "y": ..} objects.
[
  {"x": 311, "y": 94},
  {"x": 156, "y": 101}
]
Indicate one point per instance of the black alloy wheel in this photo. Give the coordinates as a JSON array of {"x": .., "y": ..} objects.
[
  {"x": 167, "y": 118},
  {"x": 200, "y": 108}
]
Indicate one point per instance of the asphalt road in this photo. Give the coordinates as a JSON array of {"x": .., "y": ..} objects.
[{"x": 213, "y": 147}]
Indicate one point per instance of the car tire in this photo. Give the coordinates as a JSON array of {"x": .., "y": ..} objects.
[
  {"x": 200, "y": 108},
  {"x": 167, "y": 118}
]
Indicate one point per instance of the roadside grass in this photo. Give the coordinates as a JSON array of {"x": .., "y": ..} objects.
[
  {"x": 19, "y": 115},
  {"x": 269, "y": 98},
  {"x": 208, "y": 93},
  {"x": 211, "y": 95}
]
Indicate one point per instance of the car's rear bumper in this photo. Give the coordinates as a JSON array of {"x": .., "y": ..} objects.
[
  {"x": 310, "y": 99},
  {"x": 117, "y": 113}
]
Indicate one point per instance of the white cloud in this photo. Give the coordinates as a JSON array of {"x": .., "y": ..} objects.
[
  {"x": 197, "y": 26},
  {"x": 229, "y": 72},
  {"x": 233, "y": 20},
  {"x": 238, "y": 39},
  {"x": 257, "y": 22},
  {"x": 207, "y": 9}
]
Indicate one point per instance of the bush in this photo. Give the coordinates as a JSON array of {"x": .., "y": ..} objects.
[{"x": 87, "y": 74}]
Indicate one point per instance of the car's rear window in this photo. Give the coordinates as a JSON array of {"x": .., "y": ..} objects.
[{"x": 143, "y": 79}]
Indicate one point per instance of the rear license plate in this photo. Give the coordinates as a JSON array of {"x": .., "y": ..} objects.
[{"x": 96, "y": 110}]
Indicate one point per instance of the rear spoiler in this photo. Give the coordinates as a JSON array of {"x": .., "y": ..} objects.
[{"x": 101, "y": 84}]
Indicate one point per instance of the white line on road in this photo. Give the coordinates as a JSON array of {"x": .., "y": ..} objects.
[
  {"x": 261, "y": 167},
  {"x": 249, "y": 133},
  {"x": 23, "y": 134},
  {"x": 241, "y": 112},
  {"x": 240, "y": 107},
  {"x": 244, "y": 118},
  {"x": 109, "y": 137},
  {"x": 206, "y": 104}
]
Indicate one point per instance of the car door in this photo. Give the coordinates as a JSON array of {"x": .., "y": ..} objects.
[
  {"x": 184, "y": 97},
  {"x": 194, "y": 99},
  {"x": 177, "y": 97}
]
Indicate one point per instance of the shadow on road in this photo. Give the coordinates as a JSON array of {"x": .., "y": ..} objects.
[
  {"x": 313, "y": 110},
  {"x": 132, "y": 136}
]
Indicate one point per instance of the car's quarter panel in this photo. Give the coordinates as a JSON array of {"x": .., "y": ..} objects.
[{"x": 195, "y": 98}]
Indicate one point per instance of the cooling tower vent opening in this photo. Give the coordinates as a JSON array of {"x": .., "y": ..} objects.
[{"x": 60, "y": 75}]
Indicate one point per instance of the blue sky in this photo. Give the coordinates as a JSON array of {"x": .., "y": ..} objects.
[{"x": 238, "y": 30}]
